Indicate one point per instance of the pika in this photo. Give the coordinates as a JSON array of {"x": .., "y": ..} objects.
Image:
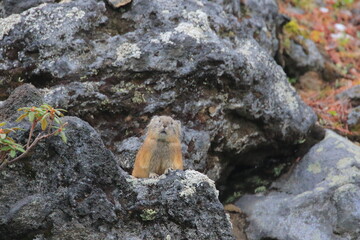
[{"x": 161, "y": 149}]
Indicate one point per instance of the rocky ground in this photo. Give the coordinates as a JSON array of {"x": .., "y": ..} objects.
[{"x": 209, "y": 64}]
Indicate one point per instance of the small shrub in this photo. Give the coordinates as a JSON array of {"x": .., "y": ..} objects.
[
  {"x": 148, "y": 215},
  {"x": 260, "y": 189},
  {"x": 51, "y": 125}
]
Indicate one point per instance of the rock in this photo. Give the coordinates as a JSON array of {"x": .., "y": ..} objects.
[
  {"x": 259, "y": 19},
  {"x": 352, "y": 94},
  {"x": 238, "y": 220},
  {"x": 77, "y": 191},
  {"x": 196, "y": 146},
  {"x": 2, "y": 10},
  {"x": 172, "y": 196},
  {"x": 317, "y": 200},
  {"x": 42, "y": 34},
  {"x": 303, "y": 56},
  {"x": 263, "y": 24},
  {"x": 126, "y": 151},
  {"x": 188, "y": 59},
  {"x": 354, "y": 117},
  {"x": 30, "y": 96},
  {"x": 18, "y": 6},
  {"x": 118, "y": 3}
]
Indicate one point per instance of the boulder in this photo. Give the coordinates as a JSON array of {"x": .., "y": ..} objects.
[
  {"x": 18, "y": 6},
  {"x": 352, "y": 94},
  {"x": 318, "y": 199},
  {"x": 354, "y": 117},
  {"x": 76, "y": 190},
  {"x": 191, "y": 60}
]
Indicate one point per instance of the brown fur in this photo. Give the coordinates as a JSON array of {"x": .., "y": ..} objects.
[{"x": 161, "y": 149}]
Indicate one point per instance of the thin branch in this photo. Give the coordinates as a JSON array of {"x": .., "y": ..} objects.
[
  {"x": 29, "y": 146},
  {"x": 28, "y": 149},
  {"x": 4, "y": 163},
  {"x": 50, "y": 125},
  {"x": 31, "y": 133}
]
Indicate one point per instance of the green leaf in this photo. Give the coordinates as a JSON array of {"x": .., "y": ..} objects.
[
  {"x": 5, "y": 149},
  {"x": 45, "y": 116},
  {"x": 31, "y": 116},
  {"x": 44, "y": 124},
  {"x": 21, "y": 117},
  {"x": 57, "y": 120},
  {"x": 63, "y": 137},
  {"x": 301, "y": 141},
  {"x": 59, "y": 113},
  {"x": 332, "y": 113},
  {"x": 2, "y": 124},
  {"x": 20, "y": 149},
  {"x": 8, "y": 140},
  {"x": 12, "y": 153}
]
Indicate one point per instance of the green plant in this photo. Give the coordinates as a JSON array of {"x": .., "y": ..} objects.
[
  {"x": 148, "y": 215},
  {"x": 307, "y": 5},
  {"x": 300, "y": 140},
  {"x": 49, "y": 120},
  {"x": 278, "y": 169},
  {"x": 8, "y": 145},
  {"x": 260, "y": 189},
  {"x": 343, "y": 3},
  {"x": 293, "y": 28},
  {"x": 292, "y": 81},
  {"x": 233, "y": 197}
]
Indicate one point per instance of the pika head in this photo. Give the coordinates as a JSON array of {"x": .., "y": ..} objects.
[
  {"x": 161, "y": 149},
  {"x": 164, "y": 128}
]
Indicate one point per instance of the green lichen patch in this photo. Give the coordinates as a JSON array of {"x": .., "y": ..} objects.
[{"x": 314, "y": 168}]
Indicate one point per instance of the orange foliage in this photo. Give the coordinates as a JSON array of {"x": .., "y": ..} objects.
[
  {"x": 332, "y": 112},
  {"x": 343, "y": 51}
]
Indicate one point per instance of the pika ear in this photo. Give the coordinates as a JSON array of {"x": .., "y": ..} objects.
[
  {"x": 178, "y": 126},
  {"x": 154, "y": 119},
  {"x": 178, "y": 123}
]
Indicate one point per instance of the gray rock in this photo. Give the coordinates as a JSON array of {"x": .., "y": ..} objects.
[
  {"x": 259, "y": 19},
  {"x": 77, "y": 191},
  {"x": 118, "y": 3},
  {"x": 303, "y": 56},
  {"x": 126, "y": 152},
  {"x": 352, "y": 94},
  {"x": 18, "y": 6},
  {"x": 188, "y": 59},
  {"x": 47, "y": 34},
  {"x": 319, "y": 199},
  {"x": 354, "y": 117},
  {"x": 30, "y": 97},
  {"x": 264, "y": 23},
  {"x": 195, "y": 148},
  {"x": 2, "y": 10}
]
